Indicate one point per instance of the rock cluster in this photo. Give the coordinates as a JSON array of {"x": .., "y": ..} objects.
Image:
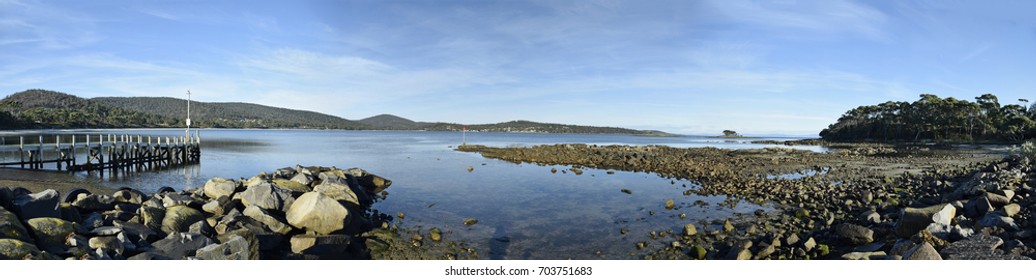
[{"x": 296, "y": 213}]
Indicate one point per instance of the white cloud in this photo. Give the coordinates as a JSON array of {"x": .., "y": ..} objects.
[{"x": 833, "y": 17}]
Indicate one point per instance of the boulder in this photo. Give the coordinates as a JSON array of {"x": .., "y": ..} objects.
[
  {"x": 302, "y": 179},
  {"x": 37, "y": 205},
  {"x": 698, "y": 252},
  {"x": 913, "y": 220},
  {"x": 51, "y": 233},
  {"x": 340, "y": 192},
  {"x": 130, "y": 196},
  {"x": 13, "y": 249},
  {"x": 175, "y": 199},
  {"x": 179, "y": 218},
  {"x": 181, "y": 245},
  {"x": 203, "y": 228},
  {"x": 317, "y": 212},
  {"x": 217, "y": 187},
  {"x": 998, "y": 200},
  {"x": 977, "y": 207},
  {"x": 854, "y": 234},
  {"x": 995, "y": 220},
  {"x": 925, "y": 251},
  {"x": 373, "y": 183},
  {"x": 323, "y": 246},
  {"x": 295, "y": 187},
  {"x": 256, "y": 180},
  {"x": 106, "y": 231},
  {"x": 109, "y": 244},
  {"x": 274, "y": 223},
  {"x": 137, "y": 232},
  {"x": 236, "y": 248},
  {"x": 94, "y": 203},
  {"x": 11, "y": 227},
  {"x": 267, "y": 196},
  {"x": 152, "y": 217}
]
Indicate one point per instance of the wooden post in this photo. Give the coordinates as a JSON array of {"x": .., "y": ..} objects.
[{"x": 21, "y": 149}]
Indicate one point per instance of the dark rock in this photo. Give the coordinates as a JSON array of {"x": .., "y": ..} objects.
[
  {"x": 236, "y": 248},
  {"x": 95, "y": 202},
  {"x": 175, "y": 199},
  {"x": 698, "y": 252},
  {"x": 37, "y": 205},
  {"x": 106, "y": 231},
  {"x": 146, "y": 256},
  {"x": 181, "y": 245},
  {"x": 854, "y": 234},
  {"x": 995, "y": 220},
  {"x": 51, "y": 233},
  {"x": 13, "y": 249},
  {"x": 11, "y": 227},
  {"x": 109, "y": 244},
  {"x": 130, "y": 196},
  {"x": 152, "y": 217},
  {"x": 870, "y": 247},
  {"x": 137, "y": 232},
  {"x": 978, "y": 207}
]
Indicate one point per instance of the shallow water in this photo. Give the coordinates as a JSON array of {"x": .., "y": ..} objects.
[{"x": 524, "y": 210}]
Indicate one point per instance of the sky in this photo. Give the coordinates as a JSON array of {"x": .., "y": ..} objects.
[{"x": 692, "y": 67}]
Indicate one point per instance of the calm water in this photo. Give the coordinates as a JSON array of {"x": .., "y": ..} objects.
[{"x": 524, "y": 211}]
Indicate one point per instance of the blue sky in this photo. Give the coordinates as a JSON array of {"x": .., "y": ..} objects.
[{"x": 699, "y": 67}]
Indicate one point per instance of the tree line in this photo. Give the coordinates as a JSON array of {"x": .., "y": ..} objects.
[{"x": 935, "y": 119}]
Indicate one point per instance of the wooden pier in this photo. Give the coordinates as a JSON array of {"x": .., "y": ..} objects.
[{"x": 105, "y": 151}]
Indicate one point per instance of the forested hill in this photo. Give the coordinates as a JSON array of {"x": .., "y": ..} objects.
[
  {"x": 50, "y": 109},
  {"x": 932, "y": 118},
  {"x": 231, "y": 115}
]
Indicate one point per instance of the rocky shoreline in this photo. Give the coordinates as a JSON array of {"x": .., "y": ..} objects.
[
  {"x": 292, "y": 213},
  {"x": 859, "y": 203}
]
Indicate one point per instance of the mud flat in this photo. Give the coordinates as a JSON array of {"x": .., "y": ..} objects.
[{"x": 865, "y": 202}]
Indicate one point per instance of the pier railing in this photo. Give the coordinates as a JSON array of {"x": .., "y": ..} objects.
[{"x": 99, "y": 151}]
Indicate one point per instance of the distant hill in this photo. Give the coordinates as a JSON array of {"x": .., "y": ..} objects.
[
  {"x": 232, "y": 115},
  {"x": 39, "y": 108},
  {"x": 388, "y": 121}
]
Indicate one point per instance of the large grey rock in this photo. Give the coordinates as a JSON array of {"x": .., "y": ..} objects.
[
  {"x": 323, "y": 246},
  {"x": 924, "y": 251},
  {"x": 319, "y": 213},
  {"x": 13, "y": 249},
  {"x": 267, "y": 196},
  {"x": 179, "y": 218},
  {"x": 340, "y": 192},
  {"x": 236, "y": 248},
  {"x": 38, "y": 205},
  {"x": 217, "y": 187},
  {"x": 11, "y": 227},
  {"x": 871, "y": 217},
  {"x": 95, "y": 202},
  {"x": 180, "y": 245},
  {"x": 51, "y": 233},
  {"x": 997, "y": 200},
  {"x": 978, "y": 247},
  {"x": 302, "y": 179},
  {"x": 854, "y": 234},
  {"x": 137, "y": 232},
  {"x": 913, "y": 220},
  {"x": 275, "y": 223},
  {"x": 995, "y": 220},
  {"x": 295, "y": 187}
]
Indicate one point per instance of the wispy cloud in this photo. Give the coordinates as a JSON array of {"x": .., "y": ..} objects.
[{"x": 832, "y": 18}]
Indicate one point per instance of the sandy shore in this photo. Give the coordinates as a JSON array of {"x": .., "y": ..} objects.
[{"x": 36, "y": 181}]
